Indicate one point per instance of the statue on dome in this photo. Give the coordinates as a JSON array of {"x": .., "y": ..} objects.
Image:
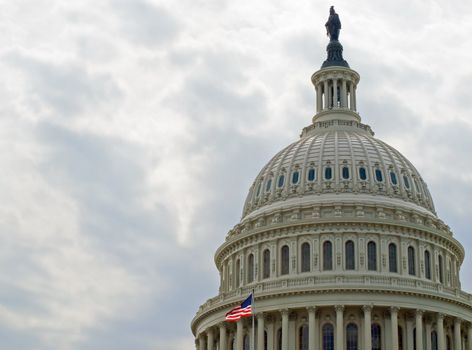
[{"x": 333, "y": 25}]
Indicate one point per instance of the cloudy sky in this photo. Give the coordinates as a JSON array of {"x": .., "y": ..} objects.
[{"x": 131, "y": 131}]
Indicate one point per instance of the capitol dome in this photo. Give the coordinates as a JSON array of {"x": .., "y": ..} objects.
[
  {"x": 340, "y": 244},
  {"x": 338, "y": 160}
]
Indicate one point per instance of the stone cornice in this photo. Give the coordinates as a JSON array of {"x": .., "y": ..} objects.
[
  {"x": 226, "y": 301},
  {"x": 338, "y": 217}
]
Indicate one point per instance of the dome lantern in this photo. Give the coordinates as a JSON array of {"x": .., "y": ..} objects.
[{"x": 335, "y": 83}]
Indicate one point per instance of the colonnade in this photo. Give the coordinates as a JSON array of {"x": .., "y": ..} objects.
[
  {"x": 328, "y": 96},
  {"x": 416, "y": 323}
]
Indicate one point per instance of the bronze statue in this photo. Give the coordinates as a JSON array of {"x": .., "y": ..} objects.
[{"x": 333, "y": 25}]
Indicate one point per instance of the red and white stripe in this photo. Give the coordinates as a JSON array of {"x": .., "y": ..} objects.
[{"x": 238, "y": 312}]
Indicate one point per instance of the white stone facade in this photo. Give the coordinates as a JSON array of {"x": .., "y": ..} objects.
[{"x": 340, "y": 241}]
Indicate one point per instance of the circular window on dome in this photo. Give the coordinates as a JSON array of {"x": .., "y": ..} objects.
[
  {"x": 280, "y": 182},
  {"x": 311, "y": 175},
  {"x": 295, "y": 177}
]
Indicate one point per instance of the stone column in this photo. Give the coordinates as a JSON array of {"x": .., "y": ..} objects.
[
  {"x": 326, "y": 95},
  {"x": 409, "y": 333},
  {"x": 201, "y": 342},
  {"x": 427, "y": 328},
  {"x": 210, "y": 339},
  {"x": 440, "y": 331},
  {"x": 292, "y": 330},
  {"x": 319, "y": 101},
  {"x": 260, "y": 331},
  {"x": 312, "y": 325},
  {"x": 343, "y": 94},
  {"x": 335, "y": 93},
  {"x": 394, "y": 326},
  {"x": 367, "y": 326},
  {"x": 339, "y": 344},
  {"x": 419, "y": 329},
  {"x": 270, "y": 333},
  {"x": 355, "y": 98},
  {"x": 284, "y": 329},
  {"x": 239, "y": 335},
  {"x": 457, "y": 334},
  {"x": 469, "y": 337},
  {"x": 223, "y": 341},
  {"x": 351, "y": 96}
]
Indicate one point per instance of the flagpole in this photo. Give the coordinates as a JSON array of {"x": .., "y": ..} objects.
[{"x": 253, "y": 316}]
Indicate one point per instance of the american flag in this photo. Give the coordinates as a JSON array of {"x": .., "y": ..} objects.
[{"x": 243, "y": 310}]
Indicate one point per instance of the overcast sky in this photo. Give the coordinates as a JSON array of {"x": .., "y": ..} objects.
[{"x": 131, "y": 132}]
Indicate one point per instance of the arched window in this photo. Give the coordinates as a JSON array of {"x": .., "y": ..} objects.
[
  {"x": 328, "y": 173},
  {"x": 362, "y": 173},
  {"x": 311, "y": 174},
  {"x": 305, "y": 257},
  {"x": 327, "y": 255},
  {"x": 303, "y": 337},
  {"x": 280, "y": 182},
  {"x": 328, "y": 336},
  {"x": 351, "y": 336},
  {"x": 265, "y": 341},
  {"x": 237, "y": 273},
  {"x": 376, "y": 337},
  {"x": 266, "y": 264},
  {"x": 258, "y": 192},
  {"x": 378, "y": 175},
  {"x": 434, "y": 340},
  {"x": 345, "y": 173},
  {"x": 246, "y": 342},
  {"x": 392, "y": 257},
  {"x": 406, "y": 182},
  {"x": 350, "y": 258},
  {"x": 371, "y": 256},
  {"x": 295, "y": 177},
  {"x": 285, "y": 260},
  {"x": 411, "y": 261},
  {"x": 441, "y": 271},
  {"x": 427, "y": 264},
  {"x": 268, "y": 185},
  {"x": 393, "y": 178},
  {"x": 448, "y": 343},
  {"x": 250, "y": 268}
]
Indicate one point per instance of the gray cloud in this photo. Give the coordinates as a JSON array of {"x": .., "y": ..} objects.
[
  {"x": 64, "y": 89},
  {"x": 145, "y": 23},
  {"x": 163, "y": 114}
]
